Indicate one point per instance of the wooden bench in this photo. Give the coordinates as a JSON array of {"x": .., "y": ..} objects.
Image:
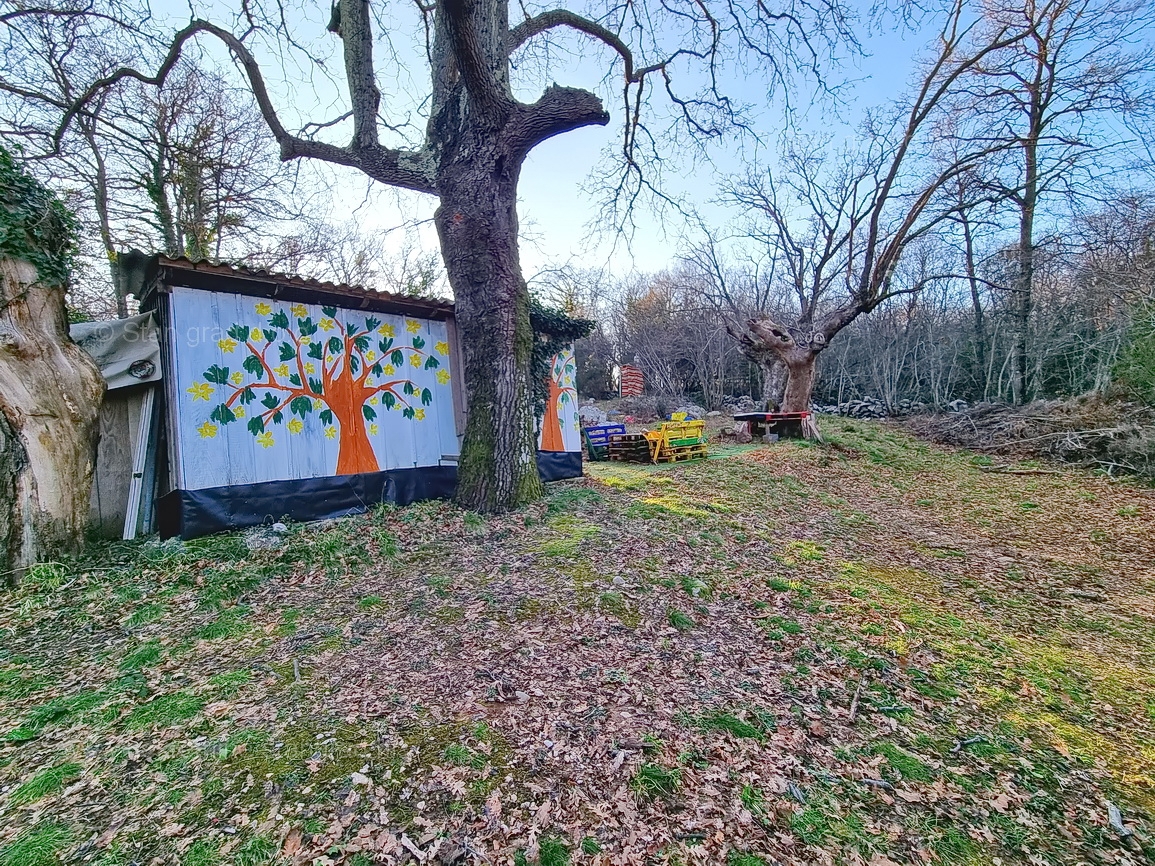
[
  {"x": 674, "y": 441},
  {"x": 597, "y": 439},
  {"x": 788, "y": 425}
]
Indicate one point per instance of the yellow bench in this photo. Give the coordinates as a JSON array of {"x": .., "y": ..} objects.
[{"x": 677, "y": 440}]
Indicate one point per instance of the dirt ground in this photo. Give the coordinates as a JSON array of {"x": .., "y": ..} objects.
[{"x": 876, "y": 651}]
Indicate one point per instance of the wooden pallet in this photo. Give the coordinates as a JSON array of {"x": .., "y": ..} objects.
[
  {"x": 682, "y": 452},
  {"x": 629, "y": 448},
  {"x": 675, "y": 441}
]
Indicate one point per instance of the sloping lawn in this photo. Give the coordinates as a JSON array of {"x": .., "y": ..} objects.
[{"x": 873, "y": 652}]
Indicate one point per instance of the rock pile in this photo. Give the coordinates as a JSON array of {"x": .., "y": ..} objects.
[{"x": 872, "y": 407}]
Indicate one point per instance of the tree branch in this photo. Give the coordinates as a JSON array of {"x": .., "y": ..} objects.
[
  {"x": 559, "y": 110},
  {"x": 405, "y": 169}
]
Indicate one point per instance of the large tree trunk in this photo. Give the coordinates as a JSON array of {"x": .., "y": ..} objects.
[
  {"x": 477, "y": 225},
  {"x": 774, "y": 374},
  {"x": 801, "y": 366},
  {"x": 50, "y": 394}
]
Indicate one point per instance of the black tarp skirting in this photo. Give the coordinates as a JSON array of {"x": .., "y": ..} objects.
[
  {"x": 556, "y": 465},
  {"x": 193, "y": 513}
]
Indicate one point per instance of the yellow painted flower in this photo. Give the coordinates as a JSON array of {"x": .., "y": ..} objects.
[
  {"x": 295, "y": 425},
  {"x": 389, "y": 371},
  {"x": 412, "y": 326},
  {"x": 373, "y": 401},
  {"x": 298, "y": 311},
  {"x": 419, "y": 414},
  {"x": 443, "y": 377},
  {"x": 201, "y": 391},
  {"x": 207, "y": 430},
  {"x": 317, "y": 404},
  {"x": 239, "y": 412},
  {"x": 265, "y": 440},
  {"x": 255, "y": 334},
  {"x": 442, "y": 347},
  {"x": 372, "y": 429},
  {"x": 330, "y": 432},
  {"x": 415, "y": 360},
  {"x": 237, "y": 377},
  {"x": 227, "y": 344},
  {"x": 306, "y": 340},
  {"x": 310, "y": 367},
  {"x": 282, "y": 370},
  {"x": 370, "y": 356},
  {"x": 326, "y": 324},
  {"x": 369, "y": 382},
  {"x": 386, "y": 331},
  {"x": 263, "y": 309}
]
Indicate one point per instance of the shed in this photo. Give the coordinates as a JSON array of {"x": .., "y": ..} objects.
[{"x": 284, "y": 396}]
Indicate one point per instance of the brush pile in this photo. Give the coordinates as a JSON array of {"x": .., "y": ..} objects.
[{"x": 1090, "y": 431}]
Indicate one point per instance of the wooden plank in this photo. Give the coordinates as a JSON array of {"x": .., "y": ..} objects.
[
  {"x": 141, "y": 448},
  {"x": 113, "y": 465}
]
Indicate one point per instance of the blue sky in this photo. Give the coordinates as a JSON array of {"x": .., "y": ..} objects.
[{"x": 558, "y": 206}]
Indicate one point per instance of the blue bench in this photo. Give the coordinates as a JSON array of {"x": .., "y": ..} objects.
[{"x": 597, "y": 439}]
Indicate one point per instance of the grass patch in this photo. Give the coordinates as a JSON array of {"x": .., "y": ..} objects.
[
  {"x": 654, "y": 780},
  {"x": 723, "y": 720},
  {"x": 679, "y": 620},
  {"x": 44, "y": 783},
  {"x": 144, "y": 656},
  {"x": 904, "y": 763},
  {"x": 37, "y": 846},
  {"x": 229, "y": 624},
  {"x": 164, "y": 711},
  {"x": 552, "y": 851}
]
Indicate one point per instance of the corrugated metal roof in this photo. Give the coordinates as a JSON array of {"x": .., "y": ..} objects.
[{"x": 254, "y": 281}]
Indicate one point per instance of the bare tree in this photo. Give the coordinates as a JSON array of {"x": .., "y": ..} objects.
[
  {"x": 186, "y": 168},
  {"x": 1060, "y": 95},
  {"x": 478, "y": 134},
  {"x": 837, "y": 223}
]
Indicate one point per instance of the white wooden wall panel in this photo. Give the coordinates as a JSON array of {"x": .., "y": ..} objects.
[{"x": 228, "y": 373}]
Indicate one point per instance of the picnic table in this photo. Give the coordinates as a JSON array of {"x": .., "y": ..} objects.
[{"x": 788, "y": 425}]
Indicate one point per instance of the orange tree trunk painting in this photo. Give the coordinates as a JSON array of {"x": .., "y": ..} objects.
[
  {"x": 340, "y": 370},
  {"x": 561, "y": 391}
]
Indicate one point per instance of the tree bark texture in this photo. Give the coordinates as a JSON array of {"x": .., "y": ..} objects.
[
  {"x": 480, "y": 135},
  {"x": 50, "y": 395}
]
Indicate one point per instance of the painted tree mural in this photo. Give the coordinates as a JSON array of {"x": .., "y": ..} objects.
[
  {"x": 562, "y": 391},
  {"x": 339, "y": 371}
]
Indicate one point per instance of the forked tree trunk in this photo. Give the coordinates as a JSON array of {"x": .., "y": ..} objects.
[
  {"x": 477, "y": 226},
  {"x": 50, "y": 395}
]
